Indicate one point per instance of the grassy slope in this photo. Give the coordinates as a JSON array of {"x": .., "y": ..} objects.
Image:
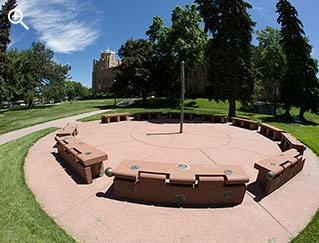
[
  {"x": 21, "y": 218},
  {"x": 308, "y": 133},
  {"x": 16, "y": 119}
]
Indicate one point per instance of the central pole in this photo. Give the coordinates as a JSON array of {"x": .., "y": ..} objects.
[{"x": 182, "y": 96}]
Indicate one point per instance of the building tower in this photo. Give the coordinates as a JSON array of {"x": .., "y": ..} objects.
[{"x": 103, "y": 74}]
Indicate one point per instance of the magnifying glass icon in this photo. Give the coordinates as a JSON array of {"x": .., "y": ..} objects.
[{"x": 15, "y": 16}]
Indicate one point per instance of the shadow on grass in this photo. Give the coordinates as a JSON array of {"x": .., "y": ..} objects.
[
  {"x": 110, "y": 194},
  {"x": 105, "y": 107},
  {"x": 287, "y": 120}
]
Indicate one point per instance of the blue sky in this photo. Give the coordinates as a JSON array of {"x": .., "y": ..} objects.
[{"x": 77, "y": 30}]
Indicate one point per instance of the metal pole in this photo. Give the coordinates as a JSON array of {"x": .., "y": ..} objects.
[{"x": 182, "y": 96}]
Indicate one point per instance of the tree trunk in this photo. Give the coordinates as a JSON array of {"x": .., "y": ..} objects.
[
  {"x": 302, "y": 114},
  {"x": 275, "y": 102},
  {"x": 232, "y": 108},
  {"x": 30, "y": 103},
  {"x": 287, "y": 111}
]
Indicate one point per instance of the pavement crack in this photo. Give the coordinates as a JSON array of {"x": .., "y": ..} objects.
[
  {"x": 272, "y": 216},
  {"x": 210, "y": 158}
]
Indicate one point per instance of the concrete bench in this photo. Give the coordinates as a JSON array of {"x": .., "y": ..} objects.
[
  {"x": 215, "y": 118},
  {"x": 181, "y": 184},
  {"x": 84, "y": 159},
  {"x": 177, "y": 115},
  {"x": 271, "y": 132},
  {"x": 146, "y": 116},
  {"x": 277, "y": 170},
  {"x": 288, "y": 142},
  {"x": 115, "y": 117},
  {"x": 245, "y": 123},
  {"x": 68, "y": 130}
]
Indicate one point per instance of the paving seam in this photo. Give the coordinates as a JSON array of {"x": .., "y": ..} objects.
[
  {"x": 203, "y": 152},
  {"x": 79, "y": 204},
  {"x": 272, "y": 216}
]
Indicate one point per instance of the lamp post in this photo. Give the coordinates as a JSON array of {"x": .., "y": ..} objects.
[
  {"x": 182, "y": 96},
  {"x": 114, "y": 81}
]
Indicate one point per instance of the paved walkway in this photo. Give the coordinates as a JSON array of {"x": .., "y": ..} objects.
[
  {"x": 91, "y": 213},
  {"x": 8, "y": 137}
]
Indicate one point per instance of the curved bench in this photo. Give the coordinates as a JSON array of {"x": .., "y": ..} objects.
[
  {"x": 68, "y": 130},
  {"x": 245, "y": 123},
  {"x": 84, "y": 159},
  {"x": 277, "y": 170},
  {"x": 145, "y": 116},
  {"x": 288, "y": 142},
  {"x": 271, "y": 132},
  {"x": 180, "y": 184}
]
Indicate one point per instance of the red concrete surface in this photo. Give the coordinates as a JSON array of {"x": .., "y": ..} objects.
[{"x": 90, "y": 213}]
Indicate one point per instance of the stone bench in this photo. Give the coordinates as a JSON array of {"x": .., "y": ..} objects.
[
  {"x": 245, "y": 123},
  {"x": 146, "y": 116},
  {"x": 68, "y": 130},
  {"x": 215, "y": 118},
  {"x": 181, "y": 184},
  {"x": 84, "y": 159},
  {"x": 271, "y": 132},
  {"x": 177, "y": 115},
  {"x": 288, "y": 142},
  {"x": 277, "y": 170},
  {"x": 115, "y": 117}
]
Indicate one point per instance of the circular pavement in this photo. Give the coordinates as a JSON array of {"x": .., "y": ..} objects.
[{"x": 91, "y": 213}]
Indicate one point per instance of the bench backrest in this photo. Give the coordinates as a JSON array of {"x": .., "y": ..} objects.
[
  {"x": 180, "y": 173},
  {"x": 279, "y": 162},
  {"x": 85, "y": 153}
]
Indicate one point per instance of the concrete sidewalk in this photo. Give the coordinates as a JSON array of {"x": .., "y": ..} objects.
[{"x": 8, "y": 137}]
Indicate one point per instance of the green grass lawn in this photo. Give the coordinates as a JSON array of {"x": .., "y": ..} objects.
[
  {"x": 21, "y": 218},
  {"x": 307, "y": 132},
  {"x": 16, "y": 119}
]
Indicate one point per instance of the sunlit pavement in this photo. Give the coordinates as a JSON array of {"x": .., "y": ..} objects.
[{"x": 91, "y": 213}]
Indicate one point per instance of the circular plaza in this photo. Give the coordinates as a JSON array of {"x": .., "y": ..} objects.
[{"x": 94, "y": 213}]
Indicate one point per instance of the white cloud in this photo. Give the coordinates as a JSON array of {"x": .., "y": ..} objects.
[{"x": 59, "y": 23}]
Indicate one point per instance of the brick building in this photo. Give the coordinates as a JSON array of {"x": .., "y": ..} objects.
[{"x": 103, "y": 74}]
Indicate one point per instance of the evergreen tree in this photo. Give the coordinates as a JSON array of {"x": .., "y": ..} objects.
[
  {"x": 5, "y": 26},
  {"x": 229, "y": 53},
  {"x": 300, "y": 87}
]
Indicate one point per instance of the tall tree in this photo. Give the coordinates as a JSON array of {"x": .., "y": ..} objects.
[
  {"x": 5, "y": 26},
  {"x": 135, "y": 70},
  {"x": 301, "y": 86},
  {"x": 185, "y": 41},
  {"x": 231, "y": 27},
  {"x": 272, "y": 63}
]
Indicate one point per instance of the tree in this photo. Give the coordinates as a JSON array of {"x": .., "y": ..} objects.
[
  {"x": 231, "y": 27},
  {"x": 32, "y": 70},
  {"x": 135, "y": 70},
  {"x": 300, "y": 86},
  {"x": 5, "y": 26},
  {"x": 272, "y": 63},
  {"x": 75, "y": 90},
  {"x": 185, "y": 41}
]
